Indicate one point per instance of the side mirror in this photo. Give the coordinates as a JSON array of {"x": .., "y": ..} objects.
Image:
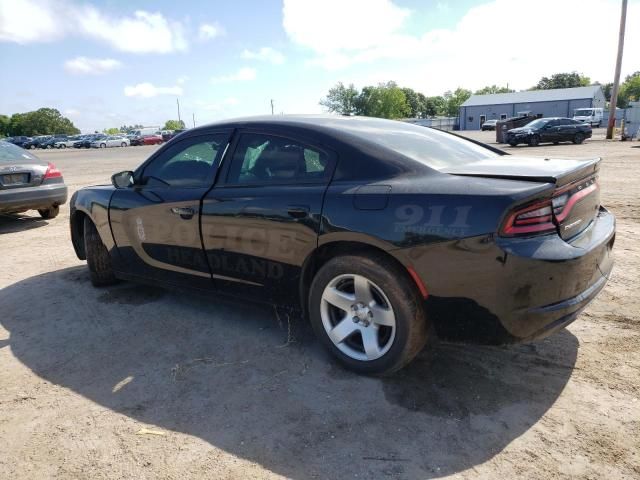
[{"x": 122, "y": 179}]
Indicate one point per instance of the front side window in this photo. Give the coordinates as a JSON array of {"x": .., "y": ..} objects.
[
  {"x": 260, "y": 159},
  {"x": 189, "y": 163}
]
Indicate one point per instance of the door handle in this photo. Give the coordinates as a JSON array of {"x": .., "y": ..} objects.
[
  {"x": 185, "y": 212},
  {"x": 298, "y": 211}
]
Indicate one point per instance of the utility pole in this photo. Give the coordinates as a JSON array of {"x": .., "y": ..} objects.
[
  {"x": 616, "y": 80},
  {"x": 194, "y": 119},
  {"x": 272, "y": 106},
  {"x": 178, "y": 102}
]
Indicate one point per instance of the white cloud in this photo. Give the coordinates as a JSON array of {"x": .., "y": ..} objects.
[
  {"x": 264, "y": 54},
  {"x": 91, "y": 66},
  {"x": 25, "y": 21},
  {"x": 30, "y": 21},
  {"x": 471, "y": 54},
  {"x": 182, "y": 79},
  {"x": 148, "y": 90},
  {"x": 306, "y": 23},
  {"x": 207, "y": 31},
  {"x": 242, "y": 75},
  {"x": 72, "y": 112}
]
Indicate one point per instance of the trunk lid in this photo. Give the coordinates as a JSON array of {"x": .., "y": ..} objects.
[{"x": 576, "y": 200}]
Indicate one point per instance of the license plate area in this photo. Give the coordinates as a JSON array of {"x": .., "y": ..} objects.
[{"x": 12, "y": 179}]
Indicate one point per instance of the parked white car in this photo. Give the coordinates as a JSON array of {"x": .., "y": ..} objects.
[
  {"x": 68, "y": 143},
  {"x": 592, "y": 116},
  {"x": 111, "y": 141}
]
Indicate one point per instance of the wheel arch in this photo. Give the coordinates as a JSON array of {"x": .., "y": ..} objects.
[
  {"x": 76, "y": 223},
  {"x": 329, "y": 250}
]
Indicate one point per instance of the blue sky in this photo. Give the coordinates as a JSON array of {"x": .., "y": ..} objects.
[{"x": 110, "y": 63}]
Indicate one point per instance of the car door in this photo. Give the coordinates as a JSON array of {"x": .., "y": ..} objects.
[
  {"x": 549, "y": 132},
  {"x": 566, "y": 129},
  {"x": 155, "y": 222},
  {"x": 262, "y": 218}
]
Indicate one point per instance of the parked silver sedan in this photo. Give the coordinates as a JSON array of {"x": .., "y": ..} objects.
[{"x": 111, "y": 141}]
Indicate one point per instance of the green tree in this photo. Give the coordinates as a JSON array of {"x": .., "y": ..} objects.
[
  {"x": 630, "y": 89},
  {"x": 435, "y": 106},
  {"x": 111, "y": 131},
  {"x": 5, "y": 124},
  {"x": 387, "y": 100},
  {"x": 562, "y": 80},
  {"x": 44, "y": 121},
  {"x": 173, "y": 125},
  {"x": 493, "y": 89},
  {"x": 454, "y": 99},
  {"x": 341, "y": 99}
]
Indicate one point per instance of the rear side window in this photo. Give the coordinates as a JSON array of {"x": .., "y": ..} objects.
[
  {"x": 189, "y": 163},
  {"x": 431, "y": 147},
  {"x": 267, "y": 159},
  {"x": 10, "y": 153}
]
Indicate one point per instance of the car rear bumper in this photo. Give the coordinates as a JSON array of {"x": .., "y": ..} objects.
[
  {"x": 32, "y": 198},
  {"x": 499, "y": 290}
]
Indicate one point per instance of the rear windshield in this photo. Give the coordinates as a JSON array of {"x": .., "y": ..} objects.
[
  {"x": 431, "y": 147},
  {"x": 10, "y": 153}
]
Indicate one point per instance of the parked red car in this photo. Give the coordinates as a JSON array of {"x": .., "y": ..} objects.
[{"x": 152, "y": 140}]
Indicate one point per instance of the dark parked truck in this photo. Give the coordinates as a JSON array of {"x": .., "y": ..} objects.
[
  {"x": 549, "y": 130},
  {"x": 383, "y": 233},
  {"x": 28, "y": 183}
]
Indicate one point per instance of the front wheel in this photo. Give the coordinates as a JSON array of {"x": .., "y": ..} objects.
[
  {"x": 534, "y": 141},
  {"x": 103, "y": 145},
  {"x": 367, "y": 312},
  {"x": 123, "y": 144},
  {"x": 578, "y": 138},
  {"x": 51, "y": 212},
  {"x": 98, "y": 259}
]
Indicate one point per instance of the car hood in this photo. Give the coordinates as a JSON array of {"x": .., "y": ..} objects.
[{"x": 521, "y": 130}]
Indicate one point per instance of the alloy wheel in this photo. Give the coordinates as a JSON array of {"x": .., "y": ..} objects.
[{"x": 358, "y": 317}]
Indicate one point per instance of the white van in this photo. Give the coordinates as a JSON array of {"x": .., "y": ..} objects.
[{"x": 592, "y": 116}]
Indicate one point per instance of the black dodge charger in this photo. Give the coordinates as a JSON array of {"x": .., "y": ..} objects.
[
  {"x": 383, "y": 233},
  {"x": 549, "y": 130}
]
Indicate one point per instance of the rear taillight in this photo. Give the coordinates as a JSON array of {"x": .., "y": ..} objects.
[
  {"x": 536, "y": 218},
  {"x": 52, "y": 172},
  {"x": 545, "y": 215}
]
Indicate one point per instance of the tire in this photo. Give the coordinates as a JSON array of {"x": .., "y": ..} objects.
[
  {"x": 534, "y": 141},
  {"x": 513, "y": 143},
  {"x": 51, "y": 212},
  {"x": 123, "y": 144},
  {"x": 98, "y": 260},
  {"x": 578, "y": 138},
  {"x": 63, "y": 146},
  {"x": 103, "y": 145},
  {"x": 393, "y": 298}
]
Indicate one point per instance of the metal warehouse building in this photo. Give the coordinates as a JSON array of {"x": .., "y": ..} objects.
[{"x": 547, "y": 103}]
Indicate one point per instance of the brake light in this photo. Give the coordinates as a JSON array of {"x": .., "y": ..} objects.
[
  {"x": 52, "y": 172},
  {"x": 536, "y": 218},
  {"x": 544, "y": 216}
]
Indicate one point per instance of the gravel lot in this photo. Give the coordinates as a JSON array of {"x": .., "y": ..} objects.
[{"x": 139, "y": 382}]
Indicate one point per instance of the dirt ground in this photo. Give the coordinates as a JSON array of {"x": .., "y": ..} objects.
[{"x": 139, "y": 382}]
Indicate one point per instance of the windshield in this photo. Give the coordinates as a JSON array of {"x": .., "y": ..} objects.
[
  {"x": 538, "y": 123},
  {"x": 9, "y": 153},
  {"x": 431, "y": 147},
  {"x": 582, "y": 113}
]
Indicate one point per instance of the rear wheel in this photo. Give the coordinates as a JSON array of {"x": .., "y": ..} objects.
[
  {"x": 123, "y": 144},
  {"x": 103, "y": 145},
  {"x": 367, "y": 312},
  {"x": 534, "y": 141},
  {"x": 63, "y": 146},
  {"x": 98, "y": 260},
  {"x": 50, "y": 212},
  {"x": 513, "y": 143},
  {"x": 578, "y": 138}
]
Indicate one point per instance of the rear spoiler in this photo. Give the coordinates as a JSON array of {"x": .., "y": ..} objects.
[{"x": 477, "y": 142}]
